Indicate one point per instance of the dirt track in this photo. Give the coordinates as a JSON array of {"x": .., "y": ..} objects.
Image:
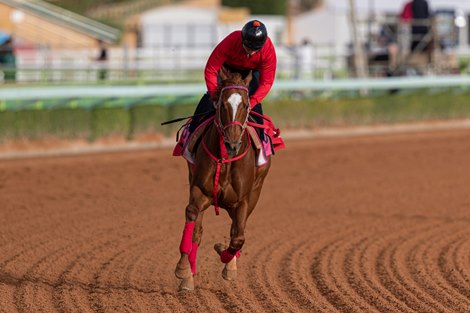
[{"x": 370, "y": 224}]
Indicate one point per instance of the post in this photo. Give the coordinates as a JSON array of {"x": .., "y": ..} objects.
[
  {"x": 360, "y": 60},
  {"x": 292, "y": 9}
]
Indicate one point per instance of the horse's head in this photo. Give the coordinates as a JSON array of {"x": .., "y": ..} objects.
[{"x": 233, "y": 109}]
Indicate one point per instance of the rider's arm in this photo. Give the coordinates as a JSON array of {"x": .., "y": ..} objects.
[
  {"x": 267, "y": 73},
  {"x": 215, "y": 62}
]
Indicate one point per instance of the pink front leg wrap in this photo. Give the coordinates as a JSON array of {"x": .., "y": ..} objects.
[
  {"x": 192, "y": 257},
  {"x": 186, "y": 244},
  {"x": 226, "y": 256}
]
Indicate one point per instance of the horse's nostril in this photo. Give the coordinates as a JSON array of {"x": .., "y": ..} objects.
[
  {"x": 236, "y": 146},
  {"x": 233, "y": 147}
]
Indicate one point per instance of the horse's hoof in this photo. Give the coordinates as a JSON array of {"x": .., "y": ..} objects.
[
  {"x": 229, "y": 274},
  {"x": 230, "y": 270},
  {"x": 187, "y": 284},
  {"x": 219, "y": 247},
  {"x": 183, "y": 273}
]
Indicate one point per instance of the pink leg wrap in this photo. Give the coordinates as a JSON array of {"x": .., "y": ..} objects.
[
  {"x": 192, "y": 258},
  {"x": 187, "y": 239},
  {"x": 226, "y": 256}
]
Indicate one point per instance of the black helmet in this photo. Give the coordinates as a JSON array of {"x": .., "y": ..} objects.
[{"x": 254, "y": 35}]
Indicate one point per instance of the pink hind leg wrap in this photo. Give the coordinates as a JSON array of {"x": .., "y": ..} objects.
[
  {"x": 226, "y": 256},
  {"x": 187, "y": 240},
  {"x": 192, "y": 257}
]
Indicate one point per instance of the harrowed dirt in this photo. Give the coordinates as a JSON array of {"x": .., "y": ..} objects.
[{"x": 357, "y": 224}]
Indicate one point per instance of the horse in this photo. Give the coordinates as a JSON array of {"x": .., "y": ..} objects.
[{"x": 224, "y": 174}]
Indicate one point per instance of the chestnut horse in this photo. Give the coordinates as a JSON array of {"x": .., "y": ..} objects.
[{"x": 224, "y": 174}]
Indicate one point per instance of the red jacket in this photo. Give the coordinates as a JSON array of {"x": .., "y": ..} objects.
[{"x": 230, "y": 51}]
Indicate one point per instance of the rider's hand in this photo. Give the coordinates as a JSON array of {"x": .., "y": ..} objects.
[
  {"x": 213, "y": 96},
  {"x": 214, "y": 100}
]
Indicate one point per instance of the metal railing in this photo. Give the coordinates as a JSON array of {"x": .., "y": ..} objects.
[
  {"x": 44, "y": 65},
  {"x": 124, "y": 9},
  {"x": 66, "y": 17}
]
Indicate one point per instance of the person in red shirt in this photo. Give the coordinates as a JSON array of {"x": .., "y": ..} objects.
[
  {"x": 407, "y": 13},
  {"x": 243, "y": 51}
]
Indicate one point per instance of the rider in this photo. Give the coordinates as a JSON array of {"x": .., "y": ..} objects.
[{"x": 241, "y": 51}]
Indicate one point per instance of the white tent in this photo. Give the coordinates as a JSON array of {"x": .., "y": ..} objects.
[
  {"x": 179, "y": 25},
  {"x": 192, "y": 24},
  {"x": 183, "y": 35}
]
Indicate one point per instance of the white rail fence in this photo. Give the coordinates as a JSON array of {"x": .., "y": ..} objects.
[
  {"x": 52, "y": 92},
  {"x": 172, "y": 63}
]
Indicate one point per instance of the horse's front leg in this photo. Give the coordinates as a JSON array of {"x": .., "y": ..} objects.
[
  {"x": 192, "y": 234},
  {"x": 230, "y": 254}
]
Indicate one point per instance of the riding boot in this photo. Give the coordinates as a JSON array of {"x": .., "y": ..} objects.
[
  {"x": 259, "y": 120},
  {"x": 204, "y": 110}
]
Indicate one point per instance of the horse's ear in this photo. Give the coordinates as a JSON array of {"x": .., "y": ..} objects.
[
  {"x": 248, "y": 78},
  {"x": 224, "y": 73}
]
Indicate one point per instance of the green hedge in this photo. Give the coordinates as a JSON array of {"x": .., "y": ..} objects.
[
  {"x": 90, "y": 123},
  {"x": 390, "y": 108},
  {"x": 33, "y": 124},
  {"x": 93, "y": 123}
]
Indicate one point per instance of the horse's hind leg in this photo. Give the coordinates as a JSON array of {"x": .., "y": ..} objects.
[
  {"x": 229, "y": 255},
  {"x": 230, "y": 269}
]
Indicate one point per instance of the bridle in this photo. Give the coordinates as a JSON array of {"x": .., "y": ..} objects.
[
  {"x": 218, "y": 119},
  {"x": 224, "y": 157}
]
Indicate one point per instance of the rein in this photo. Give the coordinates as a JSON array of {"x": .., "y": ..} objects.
[{"x": 224, "y": 158}]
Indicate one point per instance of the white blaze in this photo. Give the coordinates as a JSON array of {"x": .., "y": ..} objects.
[{"x": 235, "y": 99}]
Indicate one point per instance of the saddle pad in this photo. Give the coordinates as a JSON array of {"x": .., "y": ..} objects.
[
  {"x": 193, "y": 139},
  {"x": 254, "y": 138}
]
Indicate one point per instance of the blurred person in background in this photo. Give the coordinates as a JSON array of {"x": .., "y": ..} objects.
[
  {"x": 7, "y": 58},
  {"x": 406, "y": 15},
  {"x": 387, "y": 50},
  {"x": 242, "y": 51},
  {"x": 421, "y": 25},
  {"x": 305, "y": 60},
  {"x": 102, "y": 60},
  {"x": 404, "y": 30}
]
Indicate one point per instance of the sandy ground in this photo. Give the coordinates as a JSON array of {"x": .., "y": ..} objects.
[{"x": 359, "y": 224}]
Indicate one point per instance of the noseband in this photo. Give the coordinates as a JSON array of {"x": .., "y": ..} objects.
[{"x": 218, "y": 119}]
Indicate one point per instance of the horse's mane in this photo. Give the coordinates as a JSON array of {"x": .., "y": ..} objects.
[{"x": 234, "y": 79}]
